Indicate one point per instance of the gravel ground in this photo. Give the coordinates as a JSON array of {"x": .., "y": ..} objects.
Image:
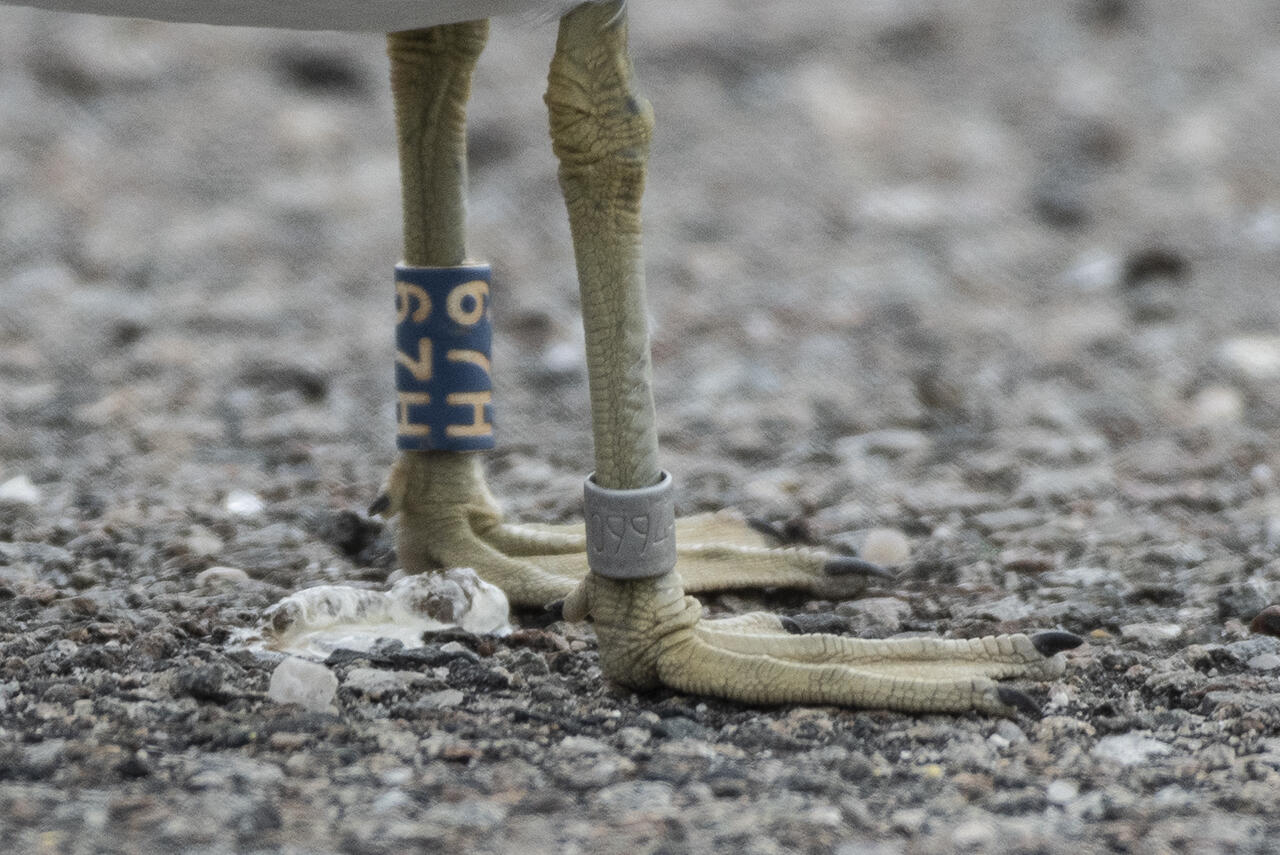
[{"x": 996, "y": 275}]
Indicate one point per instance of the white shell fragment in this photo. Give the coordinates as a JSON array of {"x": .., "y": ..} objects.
[{"x": 316, "y": 621}]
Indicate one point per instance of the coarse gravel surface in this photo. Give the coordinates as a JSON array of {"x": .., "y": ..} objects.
[{"x": 996, "y": 276}]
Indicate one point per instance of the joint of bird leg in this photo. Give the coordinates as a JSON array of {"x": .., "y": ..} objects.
[
  {"x": 464, "y": 40},
  {"x": 444, "y": 391},
  {"x": 585, "y": 135},
  {"x": 631, "y": 534}
]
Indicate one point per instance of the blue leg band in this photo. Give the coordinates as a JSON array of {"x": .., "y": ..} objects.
[{"x": 443, "y": 388}]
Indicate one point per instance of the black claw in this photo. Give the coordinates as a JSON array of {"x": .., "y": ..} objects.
[
  {"x": 1055, "y": 641},
  {"x": 1020, "y": 701},
  {"x": 791, "y": 625},
  {"x": 380, "y": 505},
  {"x": 847, "y": 565}
]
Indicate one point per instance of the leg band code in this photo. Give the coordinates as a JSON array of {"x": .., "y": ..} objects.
[{"x": 444, "y": 392}]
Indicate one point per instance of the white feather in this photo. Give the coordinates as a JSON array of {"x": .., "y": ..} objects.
[{"x": 360, "y": 15}]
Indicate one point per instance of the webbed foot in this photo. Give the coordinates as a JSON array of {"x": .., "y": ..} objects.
[
  {"x": 448, "y": 518},
  {"x": 652, "y": 634}
]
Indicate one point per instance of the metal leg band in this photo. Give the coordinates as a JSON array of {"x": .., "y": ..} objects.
[
  {"x": 444, "y": 393},
  {"x": 631, "y": 534}
]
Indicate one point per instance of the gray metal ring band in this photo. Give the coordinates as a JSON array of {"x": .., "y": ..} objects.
[{"x": 631, "y": 534}]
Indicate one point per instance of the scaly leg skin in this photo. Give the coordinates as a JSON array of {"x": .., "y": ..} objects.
[
  {"x": 650, "y": 631},
  {"x": 651, "y": 635},
  {"x": 448, "y": 518}
]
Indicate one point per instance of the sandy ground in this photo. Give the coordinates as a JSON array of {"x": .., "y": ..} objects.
[{"x": 997, "y": 275}]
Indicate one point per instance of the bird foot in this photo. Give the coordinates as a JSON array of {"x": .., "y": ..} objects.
[
  {"x": 652, "y": 634},
  {"x": 448, "y": 518}
]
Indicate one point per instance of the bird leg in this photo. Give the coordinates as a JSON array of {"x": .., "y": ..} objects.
[
  {"x": 650, "y": 631},
  {"x": 448, "y": 518}
]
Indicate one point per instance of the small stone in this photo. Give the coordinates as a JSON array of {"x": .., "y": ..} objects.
[
  {"x": 1128, "y": 749},
  {"x": 1216, "y": 406},
  {"x": 1008, "y": 609},
  {"x": 1011, "y": 732},
  {"x": 582, "y": 762},
  {"x": 377, "y": 684},
  {"x": 1094, "y": 271},
  {"x": 201, "y": 541},
  {"x": 444, "y": 699},
  {"x": 1151, "y": 634},
  {"x": 204, "y": 683},
  {"x": 1047, "y": 485},
  {"x": 1061, "y": 791},
  {"x": 19, "y": 491},
  {"x": 1267, "y": 621},
  {"x": 974, "y": 834},
  {"x": 220, "y": 576},
  {"x": 1007, "y": 518},
  {"x": 1253, "y": 357},
  {"x": 910, "y": 821},
  {"x": 883, "y": 614},
  {"x": 308, "y": 684},
  {"x": 1249, "y": 648},
  {"x": 289, "y": 741},
  {"x": 643, "y": 797},
  {"x": 1264, "y": 662},
  {"x": 391, "y": 801},
  {"x": 890, "y": 442},
  {"x": 887, "y": 547},
  {"x": 242, "y": 503}
]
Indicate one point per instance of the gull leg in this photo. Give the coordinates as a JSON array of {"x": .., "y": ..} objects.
[
  {"x": 440, "y": 496},
  {"x": 650, "y": 631},
  {"x": 448, "y": 518}
]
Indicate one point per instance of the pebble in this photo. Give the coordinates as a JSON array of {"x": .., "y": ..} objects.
[
  {"x": 1264, "y": 662},
  {"x": 1011, "y": 608},
  {"x": 309, "y": 684},
  {"x": 1128, "y": 749},
  {"x": 884, "y": 615},
  {"x": 634, "y": 797},
  {"x": 1267, "y": 621},
  {"x": 444, "y": 699},
  {"x": 201, "y": 541},
  {"x": 1061, "y": 790},
  {"x": 1249, "y": 648},
  {"x": 583, "y": 762},
  {"x": 974, "y": 834},
  {"x": 1253, "y": 357},
  {"x": 219, "y": 576},
  {"x": 20, "y": 491},
  {"x": 1216, "y": 406},
  {"x": 892, "y": 443},
  {"x": 242, "y": 503},
  {"x": 1151, "y": 634},
  {"x": 377, "y": 684},
  {"x": 887, "y": 547},
  {"x": 1044, "y": 485},
  {"x": 1007, "y": 518},
  {"x": 392, "y": 801}
]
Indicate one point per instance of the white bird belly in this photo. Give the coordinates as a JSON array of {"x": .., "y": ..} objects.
[{"x": 360, "y": 15}]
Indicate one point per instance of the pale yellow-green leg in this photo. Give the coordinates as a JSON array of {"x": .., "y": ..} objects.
[
  {"x": 447, "y": 516},
  {"x": 441, "y": 497},
  {"x": 650, "y": 631}
]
